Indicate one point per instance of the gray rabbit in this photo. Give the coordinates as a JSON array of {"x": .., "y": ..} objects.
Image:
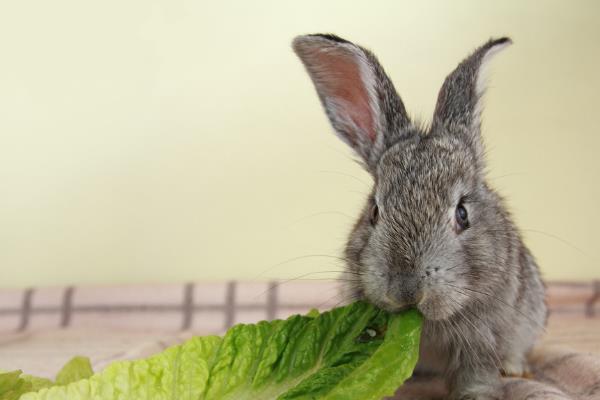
[{"x": 433, "y": 234}]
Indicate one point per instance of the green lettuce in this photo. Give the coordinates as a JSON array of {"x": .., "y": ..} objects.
[
  {"x": 76, "y": 369},
  {"x": 352, "y": 352},
  {"x": 14, "y": 384}
]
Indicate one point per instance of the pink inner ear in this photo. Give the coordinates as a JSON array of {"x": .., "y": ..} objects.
[{"x": 342, "y": 81}]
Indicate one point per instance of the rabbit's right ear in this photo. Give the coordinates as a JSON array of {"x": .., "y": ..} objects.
[{"x": 358, "y": 97}]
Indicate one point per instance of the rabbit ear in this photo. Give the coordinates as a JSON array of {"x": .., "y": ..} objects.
[
  {"x": 358, "y": 97},
  {"x": 458, "y": 108}
]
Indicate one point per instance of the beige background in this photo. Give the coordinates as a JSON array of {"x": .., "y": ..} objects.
[{"x": 171, "y": 140}]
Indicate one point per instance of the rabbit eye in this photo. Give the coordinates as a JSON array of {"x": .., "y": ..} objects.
[
  {"x": 374, "y": 214},
  {"x": 462, "y": 217}
]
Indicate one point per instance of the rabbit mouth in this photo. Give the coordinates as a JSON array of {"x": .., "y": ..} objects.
[
  {"x": 431, "y": 306},
  {"x": 395, "y": 306}
]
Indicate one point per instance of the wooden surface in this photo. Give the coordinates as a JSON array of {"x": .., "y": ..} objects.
[
  {"x": 44, "y": 352},
  {"x": 111, "y": 323}
]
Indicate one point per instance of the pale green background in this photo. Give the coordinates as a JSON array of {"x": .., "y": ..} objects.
[{"x": 171, "y": 141}]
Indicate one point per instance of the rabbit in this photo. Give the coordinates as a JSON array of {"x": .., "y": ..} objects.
[{"x": 433, "y": 234}]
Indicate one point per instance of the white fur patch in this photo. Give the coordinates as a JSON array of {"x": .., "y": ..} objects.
[{"x": 483, "y": 73}]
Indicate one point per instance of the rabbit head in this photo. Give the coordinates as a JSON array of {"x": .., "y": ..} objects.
[{"x": 432, "y": 227}]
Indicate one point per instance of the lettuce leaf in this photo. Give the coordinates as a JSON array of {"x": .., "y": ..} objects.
[
  {"x": 352, "y": 352},
  {"x": 14, "y": 384},
  {"x": 76, "y": 369}
]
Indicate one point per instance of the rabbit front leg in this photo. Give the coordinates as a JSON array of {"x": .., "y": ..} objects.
[{"x": 468, "y": 383}]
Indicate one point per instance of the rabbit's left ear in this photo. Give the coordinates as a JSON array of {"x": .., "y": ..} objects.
[
  {"x": 458, "y": 108},
  {"x": 358, "y": 97}
]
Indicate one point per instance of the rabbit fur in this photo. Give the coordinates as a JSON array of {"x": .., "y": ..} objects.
[{"x": 473, "y": 279}]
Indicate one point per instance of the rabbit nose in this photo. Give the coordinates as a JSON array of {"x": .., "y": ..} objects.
[{"x": 407, "y": 290}]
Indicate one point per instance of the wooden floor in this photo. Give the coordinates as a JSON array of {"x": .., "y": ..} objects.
[
  {"x": 123, "y": 333},
  {"x": 43, "y": 353}
]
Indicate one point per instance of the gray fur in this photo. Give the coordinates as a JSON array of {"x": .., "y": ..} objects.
[{"x": 479, "y": 288}]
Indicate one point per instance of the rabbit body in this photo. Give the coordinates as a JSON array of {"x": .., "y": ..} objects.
[{"x": 433, "y": 234}]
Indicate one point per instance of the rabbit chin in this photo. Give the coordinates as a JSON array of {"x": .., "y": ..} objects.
[{"x": 435, "y": 308}]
